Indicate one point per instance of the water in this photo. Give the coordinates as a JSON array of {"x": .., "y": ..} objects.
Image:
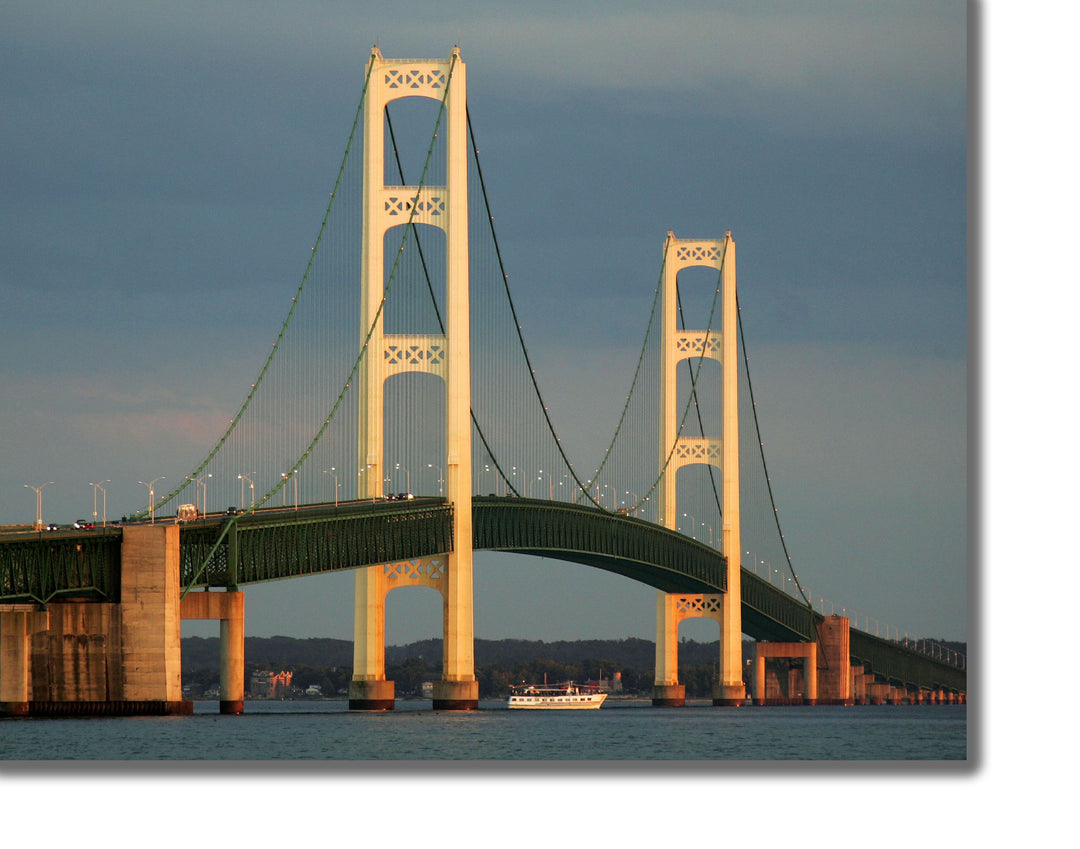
[{"x": 619, "y": 731}]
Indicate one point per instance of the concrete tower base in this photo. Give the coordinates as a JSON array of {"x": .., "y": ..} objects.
[
  {"x": 729, "y": 695},
  {"x": 371, "y": 695},
  {"x": 456, "y": 695},
  {"x": 668, "y": 695}
]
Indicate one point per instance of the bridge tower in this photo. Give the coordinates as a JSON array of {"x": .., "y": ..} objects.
[
  {"x": 677, "y": 345},
  {"x": 446, "y": 356}
]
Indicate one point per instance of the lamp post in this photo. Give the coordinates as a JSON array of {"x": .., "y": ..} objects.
[
  {"x": 200, "y": 482},
  {"x": 150, "y": 496},
  {"x": 38, "y": 524},
  {"x": 693, "y": 524},
  {"x": 296, "y": 489},
  {"x": 408, "y": 477},
  {"x": 251, "y": 484},
  {"x": 495, "y": 482},
  {"x": 104, "y": 511},
  {"x": 440, "y": 478},
  {"x": 551, "y": 483},
  {"x": 333, "y": 471}
]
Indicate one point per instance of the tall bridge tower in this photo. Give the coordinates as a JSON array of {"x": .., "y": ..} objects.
[
  {"x": 677, "y": 451},
  {"x": 446, "y": 356}
]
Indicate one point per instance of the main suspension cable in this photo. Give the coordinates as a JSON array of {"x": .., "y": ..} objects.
[
  {"x": 761, "y": 451},
  {"x": 235, "y": 421},
  {"x": 517, "y": 323},
  {"x": 409, "y": 226}
]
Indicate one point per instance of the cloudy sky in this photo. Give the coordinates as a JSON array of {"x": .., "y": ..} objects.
[{"x": 167, "y": 166}]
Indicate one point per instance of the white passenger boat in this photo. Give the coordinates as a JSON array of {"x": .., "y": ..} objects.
[{"x": 554, "y": 697}]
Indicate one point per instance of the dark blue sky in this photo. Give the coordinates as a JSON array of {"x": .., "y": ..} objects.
[{"x": 174, "y": 163}]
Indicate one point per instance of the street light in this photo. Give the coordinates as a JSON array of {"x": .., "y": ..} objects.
[
  {"x": 199, "y": 482},
  {"x": 104, "y": 511},
  {"x": 408, "y": 477},
  {"x": 551, "y": 483},
  {"x": 693, "y": 524},
  {"x": 251, "y": 484},
  {"x": 150, "y": 496},
  {"x": 440, "y": 478},
  {"x": 296, "y": 484},
  {"x": 37, "y": 489},
  {"x": 333, "y": 471}
]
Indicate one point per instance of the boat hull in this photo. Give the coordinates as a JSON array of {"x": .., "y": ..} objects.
[{"x": 590, "y": 701}]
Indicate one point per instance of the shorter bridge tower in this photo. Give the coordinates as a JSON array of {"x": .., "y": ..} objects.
[
  {"x": 446, "y": 356},
  {"x": 677, "y": 451}
]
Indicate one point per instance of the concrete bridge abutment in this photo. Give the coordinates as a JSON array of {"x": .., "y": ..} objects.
[{"x": 77, "y": 657}]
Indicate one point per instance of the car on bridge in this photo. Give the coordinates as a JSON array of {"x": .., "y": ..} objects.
[{"x": 82, "y": 525}]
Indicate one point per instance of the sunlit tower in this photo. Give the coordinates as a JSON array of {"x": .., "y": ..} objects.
[
  {"x": 677, "y": 451},
  {"x": 444, "y": 355}
]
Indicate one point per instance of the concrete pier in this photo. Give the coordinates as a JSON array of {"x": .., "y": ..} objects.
[
  {"x": 802, "y": 688},
  {"x": 17, "y": 621},
  {"x": 77, "y": 657},
  {"x": 228, "y": 609}
]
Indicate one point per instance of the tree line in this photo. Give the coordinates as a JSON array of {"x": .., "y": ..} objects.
[{"x": 498, "y": 663}]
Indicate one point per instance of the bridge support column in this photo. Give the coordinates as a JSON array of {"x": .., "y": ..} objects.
[
  {"x": 150, "y": 616},
  {"x": 758, "y": 692},
  {"x": 228, "y": 608},
  {"x": 809, "y": 677},
  {"x": 667, "y": 691},
  {"x": 834, "y": 676},
  {"x": 369, "y": 689},
  {"x": 90, "y": 658},
  {"x": 877, "y": 693},
  {"x": 860, "y": 682},
  {"x": 17, "y": 622}
]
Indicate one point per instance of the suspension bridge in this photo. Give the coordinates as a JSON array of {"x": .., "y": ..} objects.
[{"x": 398, "y": 425}]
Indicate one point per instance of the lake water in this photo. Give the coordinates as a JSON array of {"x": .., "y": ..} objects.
[{"x": 629, "y": 730}]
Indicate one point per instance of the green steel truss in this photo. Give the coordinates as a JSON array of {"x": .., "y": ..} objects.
[
  {"x": 43, "y": 567},
  {"x": 618, "y": 543},
  {"x": 270, "y": 545},
  {"x": 769, "y": 613},
  {"x": 902, "y": 666},
  {"x": 275, "y": 544}
]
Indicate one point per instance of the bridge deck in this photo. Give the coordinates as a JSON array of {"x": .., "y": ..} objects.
[{"x": 222, "y": 551}]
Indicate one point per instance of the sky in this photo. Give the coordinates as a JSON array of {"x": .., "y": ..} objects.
[{"x": 174, "y": 162}]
